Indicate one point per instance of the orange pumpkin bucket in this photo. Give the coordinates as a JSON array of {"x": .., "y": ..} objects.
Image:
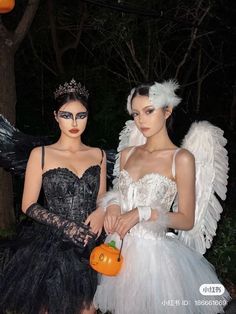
[
  {"x": 6, "y": 5},
  {"x": 106, "y": 259}
]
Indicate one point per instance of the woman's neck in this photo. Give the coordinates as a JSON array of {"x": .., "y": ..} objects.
[
  {"x": 70, "y": 144},
  {"x": 159, "y": 141}
]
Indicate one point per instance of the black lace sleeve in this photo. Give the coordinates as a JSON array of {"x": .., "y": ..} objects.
[{"x": 78, "y": 233}]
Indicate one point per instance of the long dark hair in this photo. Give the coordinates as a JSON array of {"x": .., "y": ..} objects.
[
  {"x": 71, "y": 96},
  {"x": 142, "y": 90}
]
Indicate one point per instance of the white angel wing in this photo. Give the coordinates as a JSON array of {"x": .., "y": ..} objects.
[
  {"x": 206, "y": 143},
  {"x": 129, "y": 136}
]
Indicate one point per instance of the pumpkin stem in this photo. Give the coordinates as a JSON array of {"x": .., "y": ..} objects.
[{"x": 112, "y": 244}]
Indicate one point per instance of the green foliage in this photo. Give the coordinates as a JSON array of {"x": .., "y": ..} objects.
[{"x": 223, "y": 252}]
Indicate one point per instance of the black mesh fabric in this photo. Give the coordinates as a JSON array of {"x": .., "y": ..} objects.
[{"x": 48, "y": 271}]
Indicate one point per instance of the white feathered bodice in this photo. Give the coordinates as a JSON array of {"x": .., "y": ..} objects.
[
  {"x": 152, "y": 190},
  {"x": 149, "y": 190}
]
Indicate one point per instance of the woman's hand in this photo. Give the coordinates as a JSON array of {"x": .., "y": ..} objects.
[
  {"x": 126, "y": 221},
  {"x": 96, "y": 220},
  {"x": 112, "y": 214}
]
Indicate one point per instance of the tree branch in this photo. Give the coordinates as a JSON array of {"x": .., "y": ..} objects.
[
  {"x": 117, "y": 74},
  {"x": 38, "y": 57},
  {"x": 56, "y": 48},
  {"x": 200, "y": 80},
  {"x": 193, "y": 37},
  {"x": 25, "y": 22},
  {"x": 131, "y": 48},
  {"x": 78, "y": 36}
]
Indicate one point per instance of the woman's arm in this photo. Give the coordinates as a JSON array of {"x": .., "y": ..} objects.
[
  {"x": 113, "y": 211},
  {"x": 185, "y": 180},
  {"x": 103, "y": 177},
  {"x": 33, "y": 179},
  {"x": 96, "y": 218},
  {"x": 114, "y": 221}
]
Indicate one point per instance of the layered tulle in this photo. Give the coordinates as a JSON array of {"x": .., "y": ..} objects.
[
  {"x": 45, "y": 273},
  {"x": 159, "y": 275}
]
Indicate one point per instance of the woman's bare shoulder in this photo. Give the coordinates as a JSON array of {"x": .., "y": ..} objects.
[
  {"x": 184, "y": 157},
  {"x": 35, "y": 157},
  {"x": 36, "y": 152},
  {"x": 93, "y": 150},
  {"x": 124, "y": 152}
]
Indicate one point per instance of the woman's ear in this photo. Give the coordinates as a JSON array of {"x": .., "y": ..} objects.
[
  {"x": 168, "y": 111},
  {"x": 55, "y": 115}
]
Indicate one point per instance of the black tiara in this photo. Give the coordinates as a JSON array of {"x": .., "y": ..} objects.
[{"x": 71, "y": 87}]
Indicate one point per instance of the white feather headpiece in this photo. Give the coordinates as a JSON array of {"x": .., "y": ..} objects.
[{"x": 160, "y": 95}]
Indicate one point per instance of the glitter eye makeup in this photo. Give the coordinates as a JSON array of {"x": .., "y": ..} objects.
[
  {"x": 150, "y": 110},
  {"x": 65, "y": 115},
  {"x": 147, "y": 112},
  {"x": 69, "y": 115},
  {"x": 81, "y": 115}
]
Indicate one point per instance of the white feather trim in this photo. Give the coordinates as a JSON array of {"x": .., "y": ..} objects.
[
  {"x": 110, "y": 198},
  {"x": 206, "y": 143},
  {"x": 160, "y": 95},
  {"x": 129, "y": 136}
]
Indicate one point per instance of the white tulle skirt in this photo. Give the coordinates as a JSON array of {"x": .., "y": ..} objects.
[{"x": 159, "y": 275}]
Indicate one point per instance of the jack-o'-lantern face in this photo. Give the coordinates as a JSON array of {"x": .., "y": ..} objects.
[
  {"x": 101, "y": 257},
  {"x": 105, "y": 259}
]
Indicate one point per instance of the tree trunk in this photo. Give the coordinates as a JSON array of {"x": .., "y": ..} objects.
[
  {"x": 7, "y": 108},
  {"x": 9, "y": 43},
  {"x": 7, "y": 215}
]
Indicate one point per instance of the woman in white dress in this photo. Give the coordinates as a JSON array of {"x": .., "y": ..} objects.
[{"x": 160, "y": 274}]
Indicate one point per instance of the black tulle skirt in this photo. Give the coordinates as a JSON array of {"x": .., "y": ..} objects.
[{"x": 42, "y": 272}]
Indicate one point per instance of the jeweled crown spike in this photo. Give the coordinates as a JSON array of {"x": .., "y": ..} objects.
[{"x": 71, "y": 87}]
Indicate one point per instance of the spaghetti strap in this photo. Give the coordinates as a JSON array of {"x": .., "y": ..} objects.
[
  {"x": 129, "y": 153},
  {"x": 43, "y": 157},
  {"x": 173, "y": 162},
  {"x": 102, "y": 152}
]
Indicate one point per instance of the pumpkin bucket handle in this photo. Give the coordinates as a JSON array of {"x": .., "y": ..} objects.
[{"x": 118, "y": 259}]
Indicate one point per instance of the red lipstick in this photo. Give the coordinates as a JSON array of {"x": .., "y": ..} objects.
[
  {"x": 144, "y": 129},
  {"x": 74, "y": 131}
]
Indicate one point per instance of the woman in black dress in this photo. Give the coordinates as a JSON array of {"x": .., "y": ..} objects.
[{"x": 50, "y": 272}]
